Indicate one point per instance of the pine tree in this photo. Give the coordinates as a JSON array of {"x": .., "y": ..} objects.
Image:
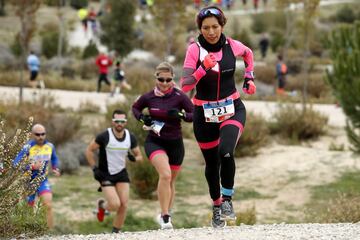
[
  {"x": 117, "y": 26},
  {"x": 345, "y": 77}
]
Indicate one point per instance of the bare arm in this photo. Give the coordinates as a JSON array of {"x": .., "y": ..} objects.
[
  {"x": 89, "y": 153},
  {"x": 137, "y": 154}
]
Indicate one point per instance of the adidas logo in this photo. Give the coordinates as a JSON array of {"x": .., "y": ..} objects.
[{"x": 227, "y": 155}]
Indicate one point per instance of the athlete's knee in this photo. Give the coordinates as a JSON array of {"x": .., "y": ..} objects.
[
  {"x": 226, "y": 152},
  {"x": 165, "y": 176},
  {"x": 113, "y": 205},
  {"x": 48, "y": 205},
  {"x": 123, "y": 206}
]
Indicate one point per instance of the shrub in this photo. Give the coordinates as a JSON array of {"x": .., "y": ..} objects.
[
  {"x": 154, "y": 41},
  {"x": 18, "y": 115},
  {"x": 265, "y": 74},
  {"x": 144, "y": 178},
  {"x": 140, "y": 77},
  {"x": 50, "y": 39},
  {"x": 317, "y": 86},
  {"x": 247, "y": 217},
  {"x": 245, "y": 38},
  {"x": 296, "y": 125},
  {"x": 9, "y": 78},
  {"x": 88, "y": 107},
  {"x": 277, "y": 39},
  {"x": 345, "y": 14},
  {"x": 77, "y": 4},
  {"x": 255, "y": 136},
  {"x": 52, "y": 3},
  {"x": 61, "y": 128},
  {"x": 90, "y": 50},
  {"x": 87, "y": 69},
  {"x": 294, "y": 65},
  {"x": 344, "y": 208},
  {"x": 70, "y": 155},
  {"x": 16, "y": 218},
  {"x": 16, "y": 46}
]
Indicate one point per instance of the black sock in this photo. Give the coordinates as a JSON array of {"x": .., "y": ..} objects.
[
  {"x": 166, "y": 218},
  {"x": 115, "y": 230},
  {"x": 226, "y": 198}
]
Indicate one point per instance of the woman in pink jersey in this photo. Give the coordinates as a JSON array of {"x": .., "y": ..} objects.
[{"x": 219, "y": 114}]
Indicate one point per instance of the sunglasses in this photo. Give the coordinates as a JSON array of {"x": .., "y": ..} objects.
[
  {"x": 164, "y": 79},
  {"x": 39, "y": 134},
  {"x": 209, "y": 11},
  {"x": 119, "y": 121}
]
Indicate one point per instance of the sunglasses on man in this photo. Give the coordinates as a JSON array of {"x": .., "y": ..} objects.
[
  {"x": 119, "y": 121},
  {"x": 160, "y": 79},
  {"x": 39, "y": 134}
]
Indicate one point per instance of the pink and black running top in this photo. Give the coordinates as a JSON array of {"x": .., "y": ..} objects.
[{"x": 219, "y": 82}]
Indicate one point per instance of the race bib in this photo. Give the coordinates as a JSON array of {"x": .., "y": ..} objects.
[
  {"x": 217, "y": 112},
  {"x": 155, "y": 127}
]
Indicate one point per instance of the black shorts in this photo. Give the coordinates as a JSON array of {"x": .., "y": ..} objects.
[
  {"x": 207, "y": 131},
  {"x": 111, "y": 180},
  {"x": 174, "y": 149},
  {"x": 33, "y": 75}
]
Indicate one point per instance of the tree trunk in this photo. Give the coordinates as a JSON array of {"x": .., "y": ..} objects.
[
  {"x": 61, "y": 33},
  {"x": 305, "y": 68}
]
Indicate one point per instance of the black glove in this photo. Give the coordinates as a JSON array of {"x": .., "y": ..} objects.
[
  {"x": 175, "y": 113},
  {"x": 98, "y": 175},
  {"x": 131, "y": 157},
  {"x": 146, "y": 119}
]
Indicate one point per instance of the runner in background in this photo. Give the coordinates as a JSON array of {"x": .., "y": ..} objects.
[{"x": 115, "y": 146}]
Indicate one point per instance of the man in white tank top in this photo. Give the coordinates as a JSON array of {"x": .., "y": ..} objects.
[{"x": 115, "y": 145}]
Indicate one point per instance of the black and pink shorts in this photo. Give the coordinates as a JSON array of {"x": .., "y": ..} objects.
[{"x": 173, "y": 148}]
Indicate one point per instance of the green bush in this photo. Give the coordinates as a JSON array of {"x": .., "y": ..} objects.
[
  {"x": 15, "y": 46},
  {"x": 50, "y": 40},
  {"x": 245, "y": 38},
  {"x": 9, "y": 78},
  {"x": 264, "y": 22},
  {"x": 77, "y": 4},
  {"x": 70, "y": 155},
  {"x": 259, "y": 23},
  {"x": 317, "y": 86},
  {"x": 345, "y": 14},
  {"x": 140, "y": 77},
  {"x": 291, "y": 122},
  {"x": 247, "y": 217},
  {"x": 87, "y": 69},
  {"x": 255, "y": 136},
  {"x": 265, "y": 74},
  {"x": 343, "y": 209},
  {"x": 62, "y": 128},
  {"x": 90, "y": 50},
  {"x": 144, "y": 178},
  {"x": 17, "y": 115},
  {"x": 277, "y": 39},
  {"x": 53, "y": 3}
]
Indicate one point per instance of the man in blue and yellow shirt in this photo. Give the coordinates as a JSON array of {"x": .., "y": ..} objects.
[{"x": 41, "y": 153}]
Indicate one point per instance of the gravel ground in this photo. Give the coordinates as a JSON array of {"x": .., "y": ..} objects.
[{"x": 260, "y": 232}]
